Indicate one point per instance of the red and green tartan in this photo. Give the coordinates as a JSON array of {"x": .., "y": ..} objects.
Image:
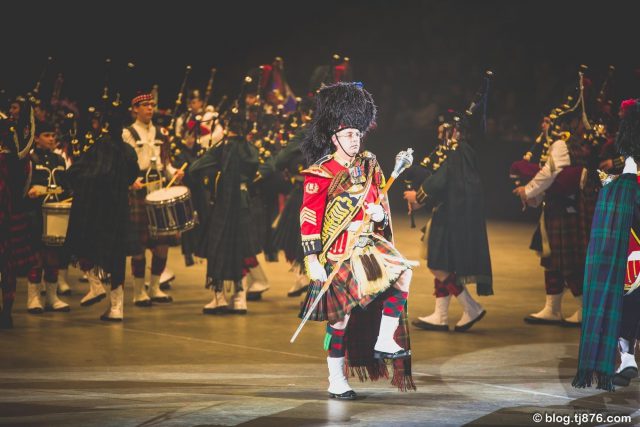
[
  {"x": 342, "y": 296},
  {"x": 139, "y": 237},
  {"x": 334, "y": 341},
  {"x": 362, "y": 333},
  {"x": 394, "y": 304},
  {"x": 22, "y": 254},
  {"x": 568, "y": 233}
]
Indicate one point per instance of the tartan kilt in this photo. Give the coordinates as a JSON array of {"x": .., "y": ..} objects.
[
  {"x": 568, "y": 235},
  {"x": 343, "y": 294},
  {"x": 21, "y": 254},
  {"x": 138, "y": 236}
]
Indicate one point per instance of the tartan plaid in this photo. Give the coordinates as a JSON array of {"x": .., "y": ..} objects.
[
  {"x": 138, "y": 238},
  {"x": 342, "y": 296},
  {"x": 603, "y": 283},
  {"x": 395, "y": 302},
  {"x": 361, "y": 335},
  {"x": 21, "y": 253},
  {"x": 568, "y": 235},
  {"x": 335, "y": 342}
]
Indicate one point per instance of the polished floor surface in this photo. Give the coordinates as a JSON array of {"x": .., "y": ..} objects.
[{"x": 169, "y": 365}]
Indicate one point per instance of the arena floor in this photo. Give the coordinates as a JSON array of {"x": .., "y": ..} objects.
[{"x": 169, "y": 365}]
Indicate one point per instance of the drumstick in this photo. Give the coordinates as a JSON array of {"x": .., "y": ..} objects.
[
  {"x": 67, "y": 200},
  {"x": 184, "y": 166}
]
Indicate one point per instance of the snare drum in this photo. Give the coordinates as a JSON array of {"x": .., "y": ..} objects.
[
  {"x": 55, "y": 221},
  {"x": 170, "y": 211}
]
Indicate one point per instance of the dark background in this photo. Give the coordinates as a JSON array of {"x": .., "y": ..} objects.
[{"x": 417, "y": 58}]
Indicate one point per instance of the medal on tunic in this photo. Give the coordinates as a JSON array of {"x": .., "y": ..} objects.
[{"x": 357, "y": 177}]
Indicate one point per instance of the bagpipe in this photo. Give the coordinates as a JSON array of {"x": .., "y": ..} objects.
[
  {"x": 451, "y": 131},
  {"x": 569, "y": 179}
]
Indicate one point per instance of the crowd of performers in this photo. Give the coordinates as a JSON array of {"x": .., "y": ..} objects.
[
  {"x": 581, "y": 171},
  {"x": 269, "y": 172}
]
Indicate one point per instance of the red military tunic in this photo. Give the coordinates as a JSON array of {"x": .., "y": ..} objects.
[{"x": 313, "y": 213}]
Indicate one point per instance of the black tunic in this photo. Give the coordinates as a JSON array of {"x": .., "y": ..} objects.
[
  {"x": 45, "y": 163},
  {"x": 287, "y": 235},
  {"x": 458, "y": 233},
  {"x": 99, "y": 218},
  {"x": 227, "y": 240},
  {"x": 199, "y": 198}
]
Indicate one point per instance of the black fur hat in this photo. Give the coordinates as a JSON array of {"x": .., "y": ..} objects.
[
  {"x": 338, "y": 106},
  {"x": 628, "y": 137},
  {"x": 44, "y": 127}
]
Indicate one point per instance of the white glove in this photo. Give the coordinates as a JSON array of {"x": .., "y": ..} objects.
[
  {"x": 376, "y": 212},
  {"x": 630, "y": 166},
  {"x": 316, "y": 271}
]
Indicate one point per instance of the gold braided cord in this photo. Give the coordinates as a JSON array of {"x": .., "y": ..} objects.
[{"x": 32, "y": 135}]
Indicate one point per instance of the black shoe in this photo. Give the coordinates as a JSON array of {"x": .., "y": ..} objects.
[
  {"x": 35, "y": 310},
  {"x": 162, "y": 300},
  {"x": 624, "y": 377},
  {"x": 216, "y": 310},
  {"x": 400, "y": 354},
  {"x": 165, "y": 286},
  {"x": 571, "y": 324},
  {"x": 621, "y": 381},
  {"x": 254, "y": 296},
  {"x": 143, "y": 303},
  {"x": 298, "y": 292},
  {"x": 347, "y": 395},
  {"x": 93, "y": 300},
  {"x": 238, "y": 311},
  {"x": 538, "y": 321},
  {"x": 430, "y": 326},
  {"x": 468, "y": 325},
  {"x": 57, "y": 310},
  {"x": 106, "y": 318},
  {"x": 65, "y": 293}
]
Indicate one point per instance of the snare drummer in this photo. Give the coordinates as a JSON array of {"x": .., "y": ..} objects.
[
  {"x": 149, "y": 141},
  {"x": 48, "y": 171}
]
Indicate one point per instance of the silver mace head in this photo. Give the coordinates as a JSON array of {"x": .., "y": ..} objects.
[{"x": 404, "y": 159}]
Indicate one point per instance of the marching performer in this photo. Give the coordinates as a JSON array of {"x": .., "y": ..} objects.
[
  {"x": 99, "y": 220},
  {"x": 17, "y": 254},
  {"x": 611, "y": 315},
  {"x": 227, "y": 241},
  {"x": 48, "y": 173},
  {"x": 340, "y": 187},
  {"x": 563, "y": 233},
  {"x": 455, "y": 241},
  {"x": 203, "y": 114},
  {"x": 152, "y": 148}
]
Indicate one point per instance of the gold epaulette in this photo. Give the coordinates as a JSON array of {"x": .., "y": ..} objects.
[
  {"x": 317, "y": 169},
  {"x": 367, "y": 155}
]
